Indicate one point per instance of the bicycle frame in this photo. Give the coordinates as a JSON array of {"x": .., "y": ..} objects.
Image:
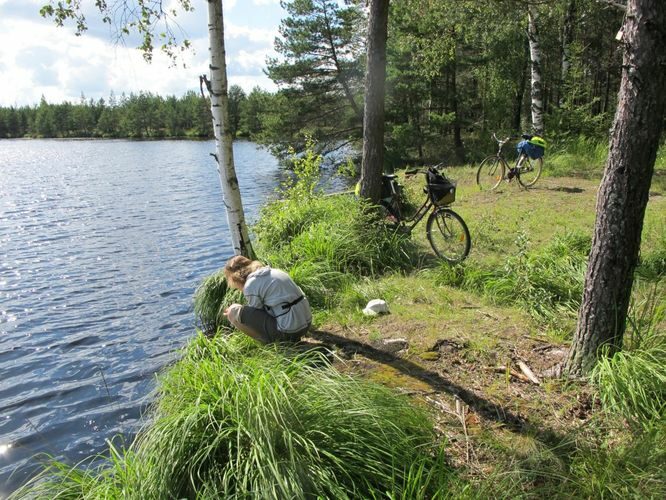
[{"x": 410, "y": 223}]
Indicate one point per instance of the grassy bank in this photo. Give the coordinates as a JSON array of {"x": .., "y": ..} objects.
[{"x": 427, "y": 401}]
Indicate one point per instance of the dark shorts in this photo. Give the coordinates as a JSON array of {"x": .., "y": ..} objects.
[{"x": 266, "y": 326}]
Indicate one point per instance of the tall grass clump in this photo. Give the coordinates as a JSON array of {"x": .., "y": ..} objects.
[
  {"x": 236, "y": 420},
  {"x": 211, "y": 298},
  {"x": 580, "y": 156},
  {"x": 338, "y": 232},
  {"x": 632, "y": 383},
  {"x": 547, "y": 283}
]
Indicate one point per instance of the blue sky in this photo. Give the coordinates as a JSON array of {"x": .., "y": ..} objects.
[{"x": 37, "y": 58}]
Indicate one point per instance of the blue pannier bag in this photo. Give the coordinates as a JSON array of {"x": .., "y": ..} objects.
[{"x": 534, "y": 147}]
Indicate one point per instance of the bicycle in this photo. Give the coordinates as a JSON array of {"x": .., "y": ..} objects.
[
  {"x": 494, "y": 169},
  {"x": 445, "y": 229}
]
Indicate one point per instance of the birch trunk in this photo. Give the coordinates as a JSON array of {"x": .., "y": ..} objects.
[
  {"x": 623, "y": 194},
  {"x": 219, "y": 105},
  {"x": 373, "y": 118},
  {"x": 535, "y": 56}
]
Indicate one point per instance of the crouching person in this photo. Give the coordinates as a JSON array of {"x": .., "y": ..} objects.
[{"x": 276, "y": 309}]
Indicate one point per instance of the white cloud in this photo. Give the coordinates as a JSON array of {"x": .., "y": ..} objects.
[
  {"x": 253, "y": 34},
  {"x": 40, "y": 59}
]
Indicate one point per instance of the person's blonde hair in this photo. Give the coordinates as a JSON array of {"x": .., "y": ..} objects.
[{"x": 238, "y": 268}]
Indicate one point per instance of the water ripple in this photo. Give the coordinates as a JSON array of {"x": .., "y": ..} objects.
[{"x": 102, "y": 244}]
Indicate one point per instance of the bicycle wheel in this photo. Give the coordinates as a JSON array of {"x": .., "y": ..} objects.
[
  {"x": 490, "y": 173},
  {"x": 530, "y": 171},
  {"x": 448, "y": 235}
]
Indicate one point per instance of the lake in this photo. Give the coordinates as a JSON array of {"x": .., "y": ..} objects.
[{"x": 102, "y": 244}]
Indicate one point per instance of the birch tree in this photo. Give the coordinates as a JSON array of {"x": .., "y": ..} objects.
[
  {"x": 219, "y": 106},
  {"x": 152, "y": 21},
  {"x": 535, "y": 57}
]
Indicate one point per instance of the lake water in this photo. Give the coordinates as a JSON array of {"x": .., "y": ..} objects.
[{"x": 102, "y": 244}]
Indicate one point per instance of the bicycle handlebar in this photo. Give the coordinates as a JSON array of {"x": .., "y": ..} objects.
[{"x": 501, "y": 141}]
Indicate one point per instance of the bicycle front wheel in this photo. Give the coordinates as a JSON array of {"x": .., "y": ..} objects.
[
  {"x": 490, "y": 173},
  {"x": 448, "y": 235},
  {"x": 530, "y": 171}
]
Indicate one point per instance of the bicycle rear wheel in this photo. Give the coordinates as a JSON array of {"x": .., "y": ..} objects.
[
  {"x": 490, "y": 173},
  {"x": 448, "y": 235},
  {"x": 530, "y": 171}
]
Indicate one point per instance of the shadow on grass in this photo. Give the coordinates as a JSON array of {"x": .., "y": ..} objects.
[{"x": 483, "y": 407}]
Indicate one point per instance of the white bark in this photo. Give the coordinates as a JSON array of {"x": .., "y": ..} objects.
[
  {"x": 535, "y": 57},
  {"x": 219, "y": 104}
]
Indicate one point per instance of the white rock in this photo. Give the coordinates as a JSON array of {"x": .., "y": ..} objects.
[{"x": 375, "y": 307}]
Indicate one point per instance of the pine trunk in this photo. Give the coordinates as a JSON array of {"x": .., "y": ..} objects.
[
  {"x": 567, "y": 40},
  {"x": 624, "y": 190},
  {"x": 373, "y": 117},
  {"x": 219, "y": 104},
  {"x": 537, "y": 85}
]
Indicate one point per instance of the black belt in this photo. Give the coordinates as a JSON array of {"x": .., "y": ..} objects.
[{"x": 289, "y": 305}]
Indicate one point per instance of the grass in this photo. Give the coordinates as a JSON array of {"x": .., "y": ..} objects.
[{"x": 241, "y": 420}]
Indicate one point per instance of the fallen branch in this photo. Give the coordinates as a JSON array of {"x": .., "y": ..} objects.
[
  {"x": 528, "y": 372},
  {"x": 513, "y": 373}
]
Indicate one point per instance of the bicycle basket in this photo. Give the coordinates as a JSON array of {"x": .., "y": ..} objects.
[{"x": 441, "y": 190}]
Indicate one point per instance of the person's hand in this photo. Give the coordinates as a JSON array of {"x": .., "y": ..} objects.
[{"x": 232, "y": 313}]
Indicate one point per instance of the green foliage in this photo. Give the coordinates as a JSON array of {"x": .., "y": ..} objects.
[
  {"x": 338, "y": 235},
  {"x": 211, "y": 298},
  {"x": 238, "y": 418},
  {"x": 579, "y": 156},
  {"x": 320, "y": 73},
  {"x": 147, "y": 19},
  {"x": 632, "y": 383},
  {"x": 621, "y": 467},
  {"x": 548, "y": 283}
]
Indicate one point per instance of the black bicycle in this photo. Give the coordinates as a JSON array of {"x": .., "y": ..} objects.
[{"x": 446, "y": 230}]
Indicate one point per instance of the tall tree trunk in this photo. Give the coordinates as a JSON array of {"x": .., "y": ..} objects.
[
  {"x": 457, "y": 137},
  {"x": 520, "y": 93},
  {"x": 535, "y": 56},
  {"x": 624, "y": 190},
  {"x": 567, "y": 40},
  {"x": 219, "y": 105},
  {"x": 373, "y": 118}
]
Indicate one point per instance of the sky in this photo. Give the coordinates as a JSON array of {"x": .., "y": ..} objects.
[{"x": 39, "y": 59}]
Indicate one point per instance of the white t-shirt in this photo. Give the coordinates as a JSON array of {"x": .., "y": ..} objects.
[{"x": 273, "y": 290}]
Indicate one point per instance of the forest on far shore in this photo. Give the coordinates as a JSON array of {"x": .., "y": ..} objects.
[{"x": 457, "y": 70}]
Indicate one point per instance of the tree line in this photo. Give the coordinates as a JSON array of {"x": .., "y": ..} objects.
[
  {"x": 456, "y": 70},
  {"x": 142, "y": 115}
]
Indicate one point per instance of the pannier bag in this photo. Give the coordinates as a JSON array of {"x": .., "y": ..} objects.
[
  {"x": 441, "y": 190},
  {"x": 532, "y": 146},
  {"x": 389, "y": 183}
]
